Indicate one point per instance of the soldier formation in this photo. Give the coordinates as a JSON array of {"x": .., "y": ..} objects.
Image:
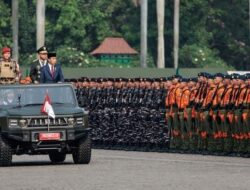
[
  {"x": 208, "y": 113},
  {"x": 125, "y": 113}
]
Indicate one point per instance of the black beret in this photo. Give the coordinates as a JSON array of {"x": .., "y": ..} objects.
[
  {"x": 73, "y": 80},
  {"x": 209, "y": 76},
  {"x": 169, "y": 78},
  {"x": 247, "y": 75},
  {"x": 156, "y": 80},
  {"x": 219, "y": 75},
  {"x": 176, "y": 76},
  {"x": 117, "y": 79},
  {"x": 148, "y": 79},
  {"x": 110, "y": 79},
  {"x": 183, "y": 80},
  {"x": 227, "y": 76},
  {"x": 141, "y": 79},
  {"x": 83, "y": 79},
  {"x": 234, "y": 76},
  {"x": 161, "y": 79},
  {"x": 202, "y": 74},
  {"x": 43, "y": 48},
  {"x": 194, "y": 79},
  {"x": 242, "y": 77},
  {"x": 99, "y": 79},
  {"x": 51, "y": 54}
]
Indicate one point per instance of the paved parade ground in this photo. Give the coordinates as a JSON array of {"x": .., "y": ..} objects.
[{"x": 124, "y": 170}]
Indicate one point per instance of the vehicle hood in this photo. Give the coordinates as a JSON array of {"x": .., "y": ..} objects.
[{"x": 36, "y": 111}]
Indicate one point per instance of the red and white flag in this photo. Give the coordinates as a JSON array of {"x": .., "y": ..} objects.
[{"x": 47, "y": 107}]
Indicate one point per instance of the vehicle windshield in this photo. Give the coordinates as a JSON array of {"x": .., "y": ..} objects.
[{"x": 35, "y": 95}]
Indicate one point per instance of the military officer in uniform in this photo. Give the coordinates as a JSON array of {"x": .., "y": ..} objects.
[
  {"x": 35, "y": 69},
  {"x": 9, "y": 68}
]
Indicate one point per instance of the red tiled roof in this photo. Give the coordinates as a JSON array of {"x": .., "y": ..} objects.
[{"x": 114, "y": 46}]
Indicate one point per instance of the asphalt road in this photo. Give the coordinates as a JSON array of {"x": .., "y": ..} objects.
[{"x": 123, "y": 170}]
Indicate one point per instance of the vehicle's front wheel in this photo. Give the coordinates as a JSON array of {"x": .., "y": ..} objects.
[
  {"x": 5, "y": 152},
  {"x": 82, "y": 154},
  {"x": 57, "y": 157}
]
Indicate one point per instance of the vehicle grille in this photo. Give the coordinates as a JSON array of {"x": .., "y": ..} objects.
[{"x": 41, "y": 122}]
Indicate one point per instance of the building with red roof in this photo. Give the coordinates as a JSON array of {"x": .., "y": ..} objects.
[{"x": 114, "y": 50}]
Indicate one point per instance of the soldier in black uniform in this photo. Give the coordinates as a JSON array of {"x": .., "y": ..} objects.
[{"x": 35, "y": 69}]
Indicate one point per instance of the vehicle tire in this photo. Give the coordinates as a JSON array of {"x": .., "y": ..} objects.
[
  {"x": 82, "y": 154},
  {"x": 5, "y": 152},
  {"x": 57, "y": 157}
]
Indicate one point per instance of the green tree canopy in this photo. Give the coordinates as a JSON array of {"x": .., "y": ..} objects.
[{"x": 213, "y": 33}]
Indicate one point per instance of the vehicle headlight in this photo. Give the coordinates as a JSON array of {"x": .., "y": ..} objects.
[
  {"x": 23, "y": 123},
  {"x": 13, "y": 122},
  {"x": 71, "y": 121},
  {"x": 79, "y": 121}
]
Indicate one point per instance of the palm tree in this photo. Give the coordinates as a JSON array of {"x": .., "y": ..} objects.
[
  {"x": 144, "y": 31},
  {"x": 160, "y": 6},
  {"x": 144, "y": 20},
  {"x": 176, "y": 33},
  {"x": 40, "y": 23},
  {"x": 136, "y": 2},
  {"x": 15, "y": 28}
]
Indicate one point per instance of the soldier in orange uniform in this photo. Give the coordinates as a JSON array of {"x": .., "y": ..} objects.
[
  {"x": 232, "y": 112},
  {"x": 183, "y": 103},
  {"x": 240, "y": 129},
  {"x": 191, "y": 113},
  {"x": 246, "y": 114},
  {"x": 169, "y": 101},
  {"x": 225, "y": 115},
  {"x": 172, "y": 113},
  {"x": 217, "y": 122},
  {"x": 206, "y": 114}
]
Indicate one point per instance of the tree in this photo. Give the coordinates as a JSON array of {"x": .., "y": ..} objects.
[
  {"x": 160, "y": 23},
  {"x": 27, "y": 27},
  {"x": 40, "y": 16},
  {"x": 15, "y": 17},
  {"x": 144, "y": 43},
  {"x": 5, "y": 24},
  {"x": 211, "y": 31},
  {"x": 176, "y": 32}
]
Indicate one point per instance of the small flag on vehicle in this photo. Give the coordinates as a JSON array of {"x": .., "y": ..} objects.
[{"x": 47, "y": 107}]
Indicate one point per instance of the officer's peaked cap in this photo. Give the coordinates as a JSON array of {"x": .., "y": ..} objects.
[{"x": 42, "y": 49}]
